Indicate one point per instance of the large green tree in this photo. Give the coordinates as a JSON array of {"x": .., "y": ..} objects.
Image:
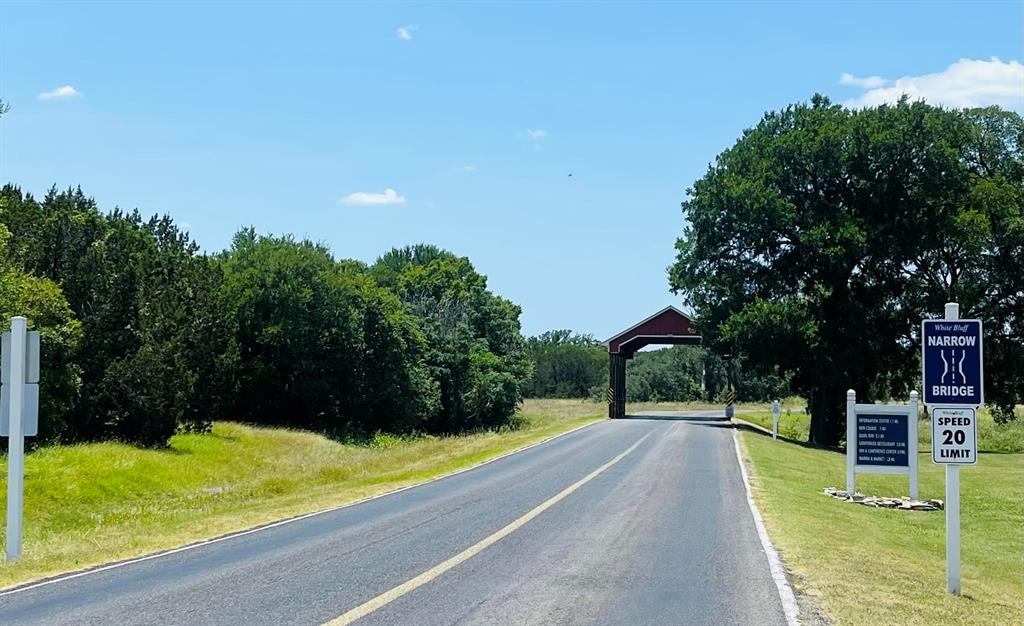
[
  {"x": 143, "y": 297},
  {"x": 817, "y": 242},
  {"x": 41, "y": 301},
  {"x": 317, "y": 344},
  {"x": 477, "y": 354},
  {"x": 566, "y": 365}
]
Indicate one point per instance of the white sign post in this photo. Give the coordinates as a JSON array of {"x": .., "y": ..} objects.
[
  {"x": 956, "y": 387},
  {"x": 19, "y": 417},
  {"x": 775, "y": 419}
]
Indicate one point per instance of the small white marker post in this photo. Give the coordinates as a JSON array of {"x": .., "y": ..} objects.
[
  {"x": 952, "y": 502},
  {"x": 775, "y": 419},
  {"x": 16, "y": 441},
  {"x": 851, "y": 440}
]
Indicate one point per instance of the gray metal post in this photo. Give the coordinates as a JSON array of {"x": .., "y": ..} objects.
[{"x": 16, "y": 441}]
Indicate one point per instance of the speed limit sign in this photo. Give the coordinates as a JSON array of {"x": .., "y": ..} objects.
[{"x": 954, "y": 436}]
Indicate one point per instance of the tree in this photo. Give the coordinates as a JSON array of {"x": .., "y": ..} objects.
[
  {"x": 317, "y": 344},
  {"x": 41, "y": 301},
  {"x": 566, "y": 365},
  {"x": 816, "y": 244},
  {"x": 143, "y": 296},
  {"x": 688, "y": 373},
  {"x": 476, "y": 353},
  {"x": 144, "y": 336}
]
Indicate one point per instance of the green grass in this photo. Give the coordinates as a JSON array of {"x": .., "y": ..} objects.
[
  {"x": 873, "y": 566},
  {"x": 795, "y": 404},
  {"x": 94, "y": 503},
  {"x": 794, "y": 424}
]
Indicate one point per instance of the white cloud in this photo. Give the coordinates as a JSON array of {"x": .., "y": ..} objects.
[
  {"x": 536, "y": 134},
  {"x": 964, "y": 84},
  {"x": 405, "y": 32},
  {"x": 468, "y": 168},
  {"x": 390, "y": 196},
  {"x": 65, "y": 91},
  {"x": 868, "y": 82}
]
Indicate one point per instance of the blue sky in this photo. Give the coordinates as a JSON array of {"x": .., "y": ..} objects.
[{"x": 296, "y": 118}]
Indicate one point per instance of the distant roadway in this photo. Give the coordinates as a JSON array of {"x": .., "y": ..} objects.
[{"x": 633, "y": 521}]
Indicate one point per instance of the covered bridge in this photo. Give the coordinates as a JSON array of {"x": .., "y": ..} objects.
[{"x": 668, "y": 326}]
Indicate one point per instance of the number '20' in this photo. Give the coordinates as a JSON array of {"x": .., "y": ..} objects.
[{"x": 950, "y": 437}]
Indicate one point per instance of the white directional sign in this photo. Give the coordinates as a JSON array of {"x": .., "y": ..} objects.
[{"x": 954, "y": 436}]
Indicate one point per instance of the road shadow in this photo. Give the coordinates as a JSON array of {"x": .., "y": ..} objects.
[
  {"x": 678, "y": 416},
  {"x": 763, "y": 432}
]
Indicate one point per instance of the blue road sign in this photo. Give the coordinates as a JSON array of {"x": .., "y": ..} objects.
[
  {"x": 882, "y": 440},
  {"x": 951, "y": 359}
]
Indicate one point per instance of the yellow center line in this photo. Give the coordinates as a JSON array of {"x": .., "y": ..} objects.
[{"x": 397, "y": 592}]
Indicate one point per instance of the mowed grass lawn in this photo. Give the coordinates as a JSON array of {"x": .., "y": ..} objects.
[
  {"x": 94, "y": 503},
  {"x": 861, "y": 565}
]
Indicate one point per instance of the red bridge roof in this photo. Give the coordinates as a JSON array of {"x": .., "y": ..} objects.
[{"x": 667, "y": 326}]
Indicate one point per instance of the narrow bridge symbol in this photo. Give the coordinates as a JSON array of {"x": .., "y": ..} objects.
[{"x": 947, "y": 370}]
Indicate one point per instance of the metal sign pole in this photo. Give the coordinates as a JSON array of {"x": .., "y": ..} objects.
[
  {"x": 776, "y": 409},
  {"x": 952, "y": 502},
  {"x": 16, "y": 441}
]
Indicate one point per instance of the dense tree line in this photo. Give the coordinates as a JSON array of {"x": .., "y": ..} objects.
[
  {"x": 567, "y": 365},
  {"x": 573, "y": 365},
  {"x": 143, "y": 336},
  {"x": 692, "y": 374},
  {"x": 816, "y": 244}
]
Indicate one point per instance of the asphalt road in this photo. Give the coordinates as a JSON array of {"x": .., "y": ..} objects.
[{"x": 634, "y": 521}]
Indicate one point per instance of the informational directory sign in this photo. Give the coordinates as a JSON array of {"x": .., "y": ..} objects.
[{"x": 882, "y": 440}]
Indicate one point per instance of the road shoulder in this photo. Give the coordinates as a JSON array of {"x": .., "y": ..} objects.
[{"x": 786, "y": 594}]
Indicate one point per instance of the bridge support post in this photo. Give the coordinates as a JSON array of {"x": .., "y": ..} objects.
[
  {"x": 616, "y": 385},
  {"x": 730, "y": 394}
]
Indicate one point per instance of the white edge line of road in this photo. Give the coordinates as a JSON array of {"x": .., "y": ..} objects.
[
  {"x": 786, "y": 595},
  {"x": 199, "y": 544}
]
